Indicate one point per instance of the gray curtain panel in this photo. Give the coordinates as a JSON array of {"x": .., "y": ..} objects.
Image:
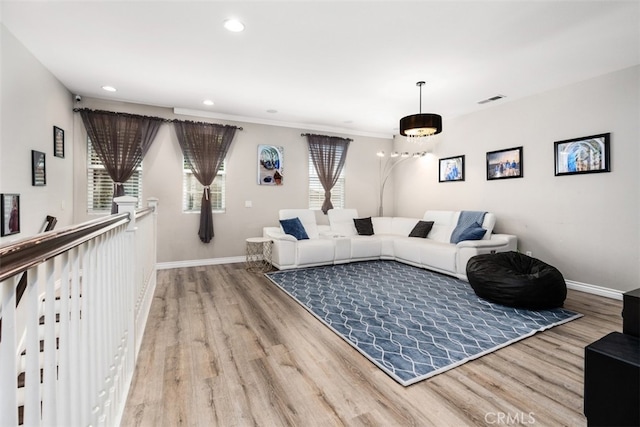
[
  {"x": 328, "y": 154},
  {"x": 121, "y": 141},
  {"x": 204, "y": 146}
]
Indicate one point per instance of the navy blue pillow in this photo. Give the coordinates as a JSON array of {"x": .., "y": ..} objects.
[
  {"x": 294, "y": 227},
  {"x": 473, "y": 232}
]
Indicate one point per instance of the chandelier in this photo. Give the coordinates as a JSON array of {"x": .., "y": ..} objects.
[{"x": 419, "y": 126}]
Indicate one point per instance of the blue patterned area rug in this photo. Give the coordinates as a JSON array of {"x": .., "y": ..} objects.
[{"x": 412, "y": 323}]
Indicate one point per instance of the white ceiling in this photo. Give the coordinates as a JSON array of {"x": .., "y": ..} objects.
[{"x": 333, "y": 65}]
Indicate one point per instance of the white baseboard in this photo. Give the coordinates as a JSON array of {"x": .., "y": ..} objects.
[
  {"x": 199, "y": 262},
  {"x": 593, "y": 289},
  {"x": 578, "y": 286}
]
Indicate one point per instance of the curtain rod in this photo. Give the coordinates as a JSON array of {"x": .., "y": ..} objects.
[
  {"x": 205, "y": 123},
  {"x": 328, "y": 136},
  {"x": 116, "y": 113}
]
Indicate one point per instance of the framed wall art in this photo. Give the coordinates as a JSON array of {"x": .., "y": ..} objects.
[
  {"x": 270, "y": 165},
  {"x": 58, "y": 142},
  {"x": 38, "y": 168},
  {"x": 503, "y": 164},
  {"x": 451, "y": 169},
  {"x": 589, "y": 154},
  {"x": 10, "y": 209}
]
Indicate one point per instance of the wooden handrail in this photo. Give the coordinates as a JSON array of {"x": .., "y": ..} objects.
[
  {"x": 90, "y": 286},
  {"x": 22, "y": 255}
]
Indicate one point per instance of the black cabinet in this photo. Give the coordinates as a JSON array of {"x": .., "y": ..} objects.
[
  {"x": 612, "y": 381},
  {"x": 631, "y": 313}
]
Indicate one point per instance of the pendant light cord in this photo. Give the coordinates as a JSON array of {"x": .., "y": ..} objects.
[{"x": 420, "y": 84}]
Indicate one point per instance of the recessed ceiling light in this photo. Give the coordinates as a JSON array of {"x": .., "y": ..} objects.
[
  {"x": 234, "y": 25},
  {"x": 109, "y": 88},
  {"x": 207, "y": 102},
  {"x": 272, "y": 111}
]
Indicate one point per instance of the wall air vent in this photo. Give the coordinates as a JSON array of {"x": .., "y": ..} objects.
[{"x": 493, "y": 98}]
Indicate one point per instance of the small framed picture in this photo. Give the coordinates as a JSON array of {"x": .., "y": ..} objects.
[
  {"x": 503, "y": 164},
  {"x": 58, "y": 142},
  {"x": 270, "y": 165},
  {"x": 451, "y": 169},
  {"x": 589, "y": 154},
  {"x": 38, "y": 168},
  {"x": 10, "y": 208}
]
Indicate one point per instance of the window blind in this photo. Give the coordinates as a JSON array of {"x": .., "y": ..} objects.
[
  {"x": 192, "y": 190},
  {"x": 100, "y": 185},
  {"x": 316, "y": 192}
]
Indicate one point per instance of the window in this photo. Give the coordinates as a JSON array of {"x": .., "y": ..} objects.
[
  {"x": 316, "y": 192},
  {"x": 192, "y": 190},
  {"x": 100, "y": 185}
]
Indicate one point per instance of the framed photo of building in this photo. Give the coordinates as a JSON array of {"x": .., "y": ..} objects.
[
  {"x": 588, "y": 154},
  {"x": 10, "y": 209},
  {"x": 38, "y": 168},
  {"x": 58, "y": 142},
  {"x": 451, "y": 169},
  {"x": 503, "y": 164}
]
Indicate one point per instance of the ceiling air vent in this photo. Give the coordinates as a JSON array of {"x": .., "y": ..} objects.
[{"x": 493, "y": 98}]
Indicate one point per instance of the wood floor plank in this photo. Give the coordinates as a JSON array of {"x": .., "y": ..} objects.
[{"x": 225, "y": 347}]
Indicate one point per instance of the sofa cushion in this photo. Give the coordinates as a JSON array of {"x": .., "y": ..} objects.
[
  {"x": 488, "y": 224},
  {"x": 382, "y": 224},
  {"x": 341, "y": 221},
  {"x": 407, "y": 249},
  {"x": 307, "y": 218},
  {"x": 443, "y": 224},
  {"x": 315, "y": 251},
  {"x": 438, "y": 255},
  {"x": 364, "y": 226},
  {"x": 294, "y": 227},
  {"x": 473, "y": 232},
  {"x": 401, "y": 226},
  {"x": 421, "y": 229},
  {"x": 365, "y": 247}
]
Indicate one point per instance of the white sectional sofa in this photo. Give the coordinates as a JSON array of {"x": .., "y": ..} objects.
[{"x": 339, "y": 242}]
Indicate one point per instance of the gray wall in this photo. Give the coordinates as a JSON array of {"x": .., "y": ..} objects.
[
  {"x": 162, "y": 178},
  {"x": 589, "y": 225},
  {"x": 32, "y": 102}
]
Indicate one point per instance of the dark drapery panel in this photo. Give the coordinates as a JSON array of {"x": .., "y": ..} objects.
[
  {"x": 204, "y": 146},
  {"x": 121, "y": 141},
  {"x": 328, "y": 154}
]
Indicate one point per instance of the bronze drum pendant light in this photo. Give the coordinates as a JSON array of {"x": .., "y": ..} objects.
[{"x": 420, "y": 125}]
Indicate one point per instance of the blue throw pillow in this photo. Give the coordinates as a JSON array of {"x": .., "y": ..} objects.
[
  {"x": 474, "y": 232},
  {"x": 294, "y": 227}
]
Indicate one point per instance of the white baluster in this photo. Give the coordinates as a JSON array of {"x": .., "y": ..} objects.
[
  {"x": 64, "y": 347},
  {"x": 8, "y": 345},
  {"x": 49, "y": 374},
  {"x": 32, "y": 345}
]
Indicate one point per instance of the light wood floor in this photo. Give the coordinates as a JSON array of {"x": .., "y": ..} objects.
[{"x": 224, "y": 347}]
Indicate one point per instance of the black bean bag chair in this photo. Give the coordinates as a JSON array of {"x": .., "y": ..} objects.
[{"x": 516, "y": 280}]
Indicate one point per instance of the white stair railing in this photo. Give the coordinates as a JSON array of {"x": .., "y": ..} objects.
[{"x": 76, "y": 331}]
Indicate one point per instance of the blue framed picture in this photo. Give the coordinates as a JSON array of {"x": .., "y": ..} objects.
[{"x": 451, "y": 169}]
